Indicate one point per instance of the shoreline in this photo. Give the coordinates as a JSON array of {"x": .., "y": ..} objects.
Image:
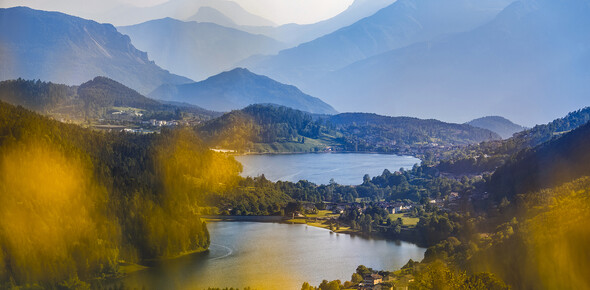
[
  {"x": 244, "y": 218},
  {"x": 126, "y": 268},
  {"x": 407, "y": 235},
  {"x": 322, "y": 152}
]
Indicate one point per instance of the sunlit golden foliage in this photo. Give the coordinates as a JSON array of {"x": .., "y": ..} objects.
[
  {"x": 547, "y": 248},
  {"x": 559, "y": 237},
  {"x": 187, "y": 171},
  {"x": 235, "y": 130},
  {"x": 52, "y": 216},
  {"x": 75, "y": 202},
  {"x": 438, "y": 275},
  {"x": 188, "y": 168}
]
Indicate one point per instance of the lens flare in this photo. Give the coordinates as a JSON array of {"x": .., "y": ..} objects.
[{"x": 52, "y": 223}]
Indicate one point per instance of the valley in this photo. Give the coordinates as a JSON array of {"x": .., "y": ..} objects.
[{"x": 294, "y": 144}]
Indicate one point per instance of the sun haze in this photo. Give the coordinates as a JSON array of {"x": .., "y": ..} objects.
[{"x": 277, "y": 11}]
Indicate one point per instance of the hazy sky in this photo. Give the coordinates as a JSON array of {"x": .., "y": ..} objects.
[
  {"x": 295, "y": 11},
  {"x": 278, "y": 11}
]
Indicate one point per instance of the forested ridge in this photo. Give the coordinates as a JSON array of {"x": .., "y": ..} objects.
[
  {"x": 256, "y": 128},
  {"x": 522, "y": 226},
  {"x": 359, "y": 132},
  {"x": 546, "y": 165},
  {"x": 90, "y": 100},
  {"x": 370, "y": 132},
  {"x": 75, "y": 202},
  {"x": 44, "y": 97},
  {"x": 260, "y": 124},
  {"x": 489, "y": 155}
]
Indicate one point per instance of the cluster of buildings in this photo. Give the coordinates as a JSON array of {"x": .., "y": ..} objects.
[
  {"x": 132, "y": 113},
  {"x": 160, "y": 123},
  {"x": 372, "y": 282},
  {"x": 390, "y": 207},
  {"x": 152, "y": 123},
  {"x": 377, "y": 282},
  {"x": 138, "y": 131}
]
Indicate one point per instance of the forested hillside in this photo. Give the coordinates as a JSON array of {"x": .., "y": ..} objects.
[
  {"x": 361, "y": 132},
  {"x": 371, "y": 132},
  {"x": 75, "y": 202},
  {"x": 96, "y": 98},
  {"x": 104, "y": 92},
  {"x": 260, "y": 124},
  {"x": 43, "y": 97},
  {"x": 487, "y": 156},
  {"x": 522, "y": 227},
  {"x": 547, "y": 165}
]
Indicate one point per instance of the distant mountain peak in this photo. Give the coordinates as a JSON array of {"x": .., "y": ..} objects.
[
  {"x": 61, "y": 48},
  {"x": 399, "y": 24},
  {"x": 529, "y": 63},
  {"x": 108, "y": 92},
  {"x": 497, "y": 124},
  {"x": 238, "y": 88},
  {"x": 239, "y": 73},
  {"x": 212, "y": 15},
  {"x": 197, "y": 49}
]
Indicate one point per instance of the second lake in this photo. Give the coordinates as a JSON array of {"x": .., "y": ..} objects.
[{"x": 319, "y": 168}]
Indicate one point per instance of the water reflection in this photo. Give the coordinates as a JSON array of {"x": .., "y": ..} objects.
[{"x": 273, "y": 256}]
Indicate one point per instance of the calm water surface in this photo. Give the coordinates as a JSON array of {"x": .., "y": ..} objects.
[
  {"x": 345, "y": 168},
  {"x": 273, "y": 256}
]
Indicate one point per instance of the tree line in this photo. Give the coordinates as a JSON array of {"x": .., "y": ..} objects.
[{"x": 76, "y": 202}]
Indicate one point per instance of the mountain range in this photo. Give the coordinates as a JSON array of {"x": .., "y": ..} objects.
[
  {"x": 212, "y": 15},
  {"x": 237, "y": 89},
  {"x": 526, "y": 60},
  {"x": 131, "y": 14},
  {"x": 65, "y": 49},
  {"x": 402, "y": 23},
  {"x": 294, "y": 34},
  {"x": 529, "y": 64},
  {"x": 504, "y": 127},
  {"x": 217, "y": 43},
  {"x": 197, "y": 50}
]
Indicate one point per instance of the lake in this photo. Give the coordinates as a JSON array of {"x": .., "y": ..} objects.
[
  {"x": 319, "y": 168},
  {"x": 273, "y": 256}
]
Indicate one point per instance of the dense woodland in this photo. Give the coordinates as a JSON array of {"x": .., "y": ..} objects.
[
  {"x": 140, "y": 197},
  {"x": 241, "y": 129},
  {"x": 43, "y": 97},
  {"x": 75, "y": 202},
  {"x": 487, "y": 156},
  {"x": 372, "y": 132},
  {"x": 523, "y": 226}
]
